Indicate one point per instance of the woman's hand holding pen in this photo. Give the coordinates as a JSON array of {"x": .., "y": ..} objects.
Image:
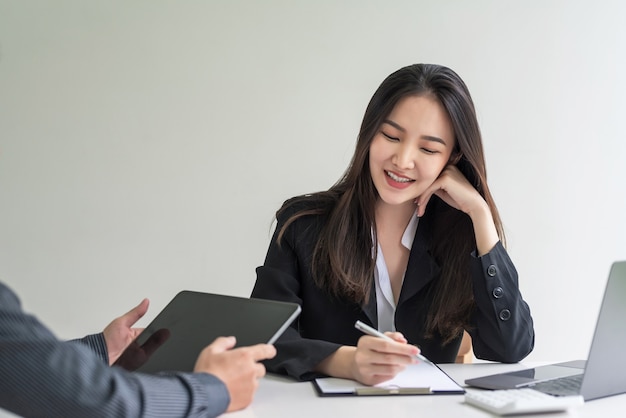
[
  {"x": 376, "y": 360},
  {"x": 377, "y": 357}
]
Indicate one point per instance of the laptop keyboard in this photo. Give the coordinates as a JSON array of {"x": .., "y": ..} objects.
[{"x": 564, "y": 386}]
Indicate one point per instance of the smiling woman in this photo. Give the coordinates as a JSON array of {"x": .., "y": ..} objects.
[
  {"x": 409, "y": 240},
  {"x": 412, "y": 147}
]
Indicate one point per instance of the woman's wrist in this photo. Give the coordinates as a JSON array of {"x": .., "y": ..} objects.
[
  {"x": 338, "y": 364},
  {"x": 484, "y": 229}
]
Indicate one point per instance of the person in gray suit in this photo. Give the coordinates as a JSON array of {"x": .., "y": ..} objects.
[{"x": 43, "y": 376}]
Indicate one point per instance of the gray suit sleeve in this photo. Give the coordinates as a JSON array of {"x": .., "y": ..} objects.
[
  {"x": 97, "y": 344},
  {"x": 42, "y": 376}
]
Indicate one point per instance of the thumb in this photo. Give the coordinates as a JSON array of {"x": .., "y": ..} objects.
[
  {"x": 222, "y": 344},
  {"x": 135, "y": 314}
]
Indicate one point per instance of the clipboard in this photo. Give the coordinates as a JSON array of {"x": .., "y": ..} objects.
[{"x": 423, "y": 378}]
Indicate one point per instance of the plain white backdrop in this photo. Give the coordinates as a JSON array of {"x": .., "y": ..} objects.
[{"x": 145, "y": 145}]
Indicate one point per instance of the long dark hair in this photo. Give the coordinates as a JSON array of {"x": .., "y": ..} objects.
[{"x": 342, "y": 259}]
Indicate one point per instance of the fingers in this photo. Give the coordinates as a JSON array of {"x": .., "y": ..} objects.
[
  {"x": 396, "y": 351},
  {"x": 260, "y": 370},
  {"x": 397, "y": 336},
  {"x": 222, "y": 344},
  {"x": 377, "y": 359},
  {"x": 257, "y": 352},
  {"x": 262, "y": 351},
  {"x": 422, "y": 200},
  {"x": 382, "y": 372},
  {"x": 453, "y": 188}
]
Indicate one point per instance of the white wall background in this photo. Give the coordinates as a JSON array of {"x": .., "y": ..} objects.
[{"x": 145, "y": 145}]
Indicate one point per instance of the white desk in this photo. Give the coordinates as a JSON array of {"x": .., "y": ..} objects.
[{"x": 279, "y": 397}]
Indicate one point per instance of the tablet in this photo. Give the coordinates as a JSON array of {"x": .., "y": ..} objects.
[{"x": 193, "y": 320}]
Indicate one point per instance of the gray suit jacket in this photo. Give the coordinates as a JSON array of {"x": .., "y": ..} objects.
[{"x": 42, "y": 376}]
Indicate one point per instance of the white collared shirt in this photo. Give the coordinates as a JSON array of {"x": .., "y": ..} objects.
[{"x": 385, "y": 303}]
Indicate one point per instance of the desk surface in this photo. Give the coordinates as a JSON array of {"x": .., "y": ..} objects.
[{"x": 279, "y": 397}]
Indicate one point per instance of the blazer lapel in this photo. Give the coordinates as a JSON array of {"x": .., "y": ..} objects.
[{"x": 421, "y": 268}]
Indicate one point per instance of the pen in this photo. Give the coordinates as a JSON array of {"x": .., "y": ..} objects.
[{"x": 375, "y": 333}]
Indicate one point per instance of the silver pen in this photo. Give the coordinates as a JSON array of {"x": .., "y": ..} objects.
[{"x": 375, "y": 333}]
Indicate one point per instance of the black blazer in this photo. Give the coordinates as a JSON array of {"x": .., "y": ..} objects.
[{"x": 502, "y": 327}]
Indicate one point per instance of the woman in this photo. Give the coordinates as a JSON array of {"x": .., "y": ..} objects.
[{"x": 409, "y": 240}]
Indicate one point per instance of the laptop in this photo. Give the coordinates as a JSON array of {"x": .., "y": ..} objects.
[
  {"x": 193, "y": 320},
  {"x": 602, "y": 374}
]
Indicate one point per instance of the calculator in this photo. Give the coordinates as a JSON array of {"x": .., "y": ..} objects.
[{"x": 520, "y": 401}]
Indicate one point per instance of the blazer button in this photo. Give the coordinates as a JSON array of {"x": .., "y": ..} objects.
[
  {"x": 491, "y": 270},
  {"x": 505, "y": 314},
  {"x": 497, "y": 292}
]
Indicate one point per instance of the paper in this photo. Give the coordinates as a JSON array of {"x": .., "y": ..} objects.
[{"x": 416, "y": 379}]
